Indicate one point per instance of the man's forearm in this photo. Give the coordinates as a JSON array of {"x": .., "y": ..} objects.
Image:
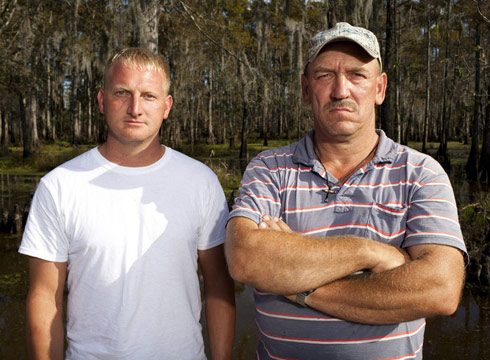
[
  {"x": 220, "y": 319},
  {"x": 287, "y": 263},
  {"x": 219, "y": 293},
  {"x": 429, "y": 285},
  {"x": 45, "y": 332}
]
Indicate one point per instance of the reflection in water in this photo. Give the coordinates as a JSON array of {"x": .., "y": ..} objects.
[
  {"x": 465, "y": 335},
  {"x": 13, "y": 292},
  {"x": 15, "y": 199},
  {"x": 16, "y": 189}
]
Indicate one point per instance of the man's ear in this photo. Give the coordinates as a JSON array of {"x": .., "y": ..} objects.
[
  {"x": 382, "y": 82},
  {"x": 304, "y": 89},
  {"x": 168, "y": 105},
  {"x": 100, "y": 100}
]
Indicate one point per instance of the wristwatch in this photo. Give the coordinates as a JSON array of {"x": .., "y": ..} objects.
[{"x": 301, "y": 297}]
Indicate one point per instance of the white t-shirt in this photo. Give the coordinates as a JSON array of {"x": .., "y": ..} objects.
[{"x": 130, "y": 238}]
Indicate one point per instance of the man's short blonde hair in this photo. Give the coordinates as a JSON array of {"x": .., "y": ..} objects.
[{"x": 142, "y": 59}]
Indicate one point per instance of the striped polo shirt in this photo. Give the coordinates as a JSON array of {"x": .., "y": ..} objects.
[{"x": 401, "y": 197}]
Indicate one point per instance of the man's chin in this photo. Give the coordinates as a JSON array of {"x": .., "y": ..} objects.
[{"x": 342, "y": 132}]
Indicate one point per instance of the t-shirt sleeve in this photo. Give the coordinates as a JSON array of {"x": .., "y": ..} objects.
[
  {"x": 432, "y": 213},
  {"x": 215, "y": 211},
  {"x": 260, "y": 189},
  {"x": 44, "y": 236}
]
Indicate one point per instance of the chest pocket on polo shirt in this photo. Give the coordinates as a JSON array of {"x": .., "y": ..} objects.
[{"x": 387, "y": 223}]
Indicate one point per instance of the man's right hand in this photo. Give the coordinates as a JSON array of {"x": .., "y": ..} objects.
[{"x": 274, "y": 223}]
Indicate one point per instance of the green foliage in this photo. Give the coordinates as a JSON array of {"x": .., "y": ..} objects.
[
  {"x": 43, "y": 160},
  {"x": 228, "y": 176},
  {"x": 224, "y": 161},
  {"x": 10, "y": 279},
  {"x": 475, "y": 224},
  {"x": 476, "y": 217}
]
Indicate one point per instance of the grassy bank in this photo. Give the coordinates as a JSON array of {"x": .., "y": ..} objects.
[
  {"x": 43, "y": 160},
  {"x": 222, "y": 159}
]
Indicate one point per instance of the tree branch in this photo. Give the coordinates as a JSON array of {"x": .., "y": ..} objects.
[
  {"x": 478, "y": 6},
  {"x": 188, "y": 11},
  {"x": 12, "y": 11}
]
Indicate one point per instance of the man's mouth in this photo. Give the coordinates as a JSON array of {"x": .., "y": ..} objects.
[
  {"x": 341, "y": 105},
  {"x": 134, "y": 122}
]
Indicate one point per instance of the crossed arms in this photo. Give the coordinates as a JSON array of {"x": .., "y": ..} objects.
[{"x": 399, "y": 286}]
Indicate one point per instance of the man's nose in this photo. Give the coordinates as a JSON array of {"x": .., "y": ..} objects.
[
  {"x": 341, "y": 88},
  {"x": 134, "y": 108}
]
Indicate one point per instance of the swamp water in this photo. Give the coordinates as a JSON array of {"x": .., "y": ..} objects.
[{"x": 464, "y": 335}]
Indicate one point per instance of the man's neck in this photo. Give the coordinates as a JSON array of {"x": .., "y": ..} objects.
[
  {"x": 132, "y": 155},
  {"x": 341, "y": 157}
]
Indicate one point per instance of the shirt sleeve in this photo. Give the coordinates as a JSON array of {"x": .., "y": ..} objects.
[
  {"x": 215, "y": 211},
  {"x": 432, "y": 212},
  {"x": 260, "y": 190},
  {"x": 44, "y": 236}
]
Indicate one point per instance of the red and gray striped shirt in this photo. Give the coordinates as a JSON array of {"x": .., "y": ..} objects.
[{"x": 401, "y": 197}]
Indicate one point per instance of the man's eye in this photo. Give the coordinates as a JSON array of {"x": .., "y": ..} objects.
[
  {"x": 150, "y": 96},
  {"x": 120, "y": 92}
]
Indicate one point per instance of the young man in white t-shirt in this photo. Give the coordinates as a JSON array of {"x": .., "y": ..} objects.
[{"x": 126, "y": 225}]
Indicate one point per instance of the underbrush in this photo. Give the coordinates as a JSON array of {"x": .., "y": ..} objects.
[
  {"x": 44, "y": 159},
  {"x": 475, "y": 224}
]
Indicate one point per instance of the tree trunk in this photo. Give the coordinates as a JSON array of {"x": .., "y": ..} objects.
[
  {"x": 397, "y": 74},
  {"x": 244, "y": 133},
  {"x": 485, "y": 147},
  {"x": 388, "y": 64},
  {"x": 89, "y": 112},
  {"x": 265, "y": 113},
  {"x": 146, "y": 19},
  {"x": 263, "y": 59},
  {"x": 360, "y": 12},
  {"x": 4, "y": 131},
  {"x": 298, "y": 70},
  {"x": 427, "y": 82},
  {"x": 28, "y": 114},
  {"x": 294, "y": 32},
  {"x": 191, "y": 128},
  {"x": 74, "y": 105},
  {"x": 442, "y": 154},
  {"x": 245, "y": 99},
  {"x": 49, "y": 100},
  {"x": 471, "y": 164},
  {"x": 466, "y": 127},
  {"x": 211, "y": 138},
  {"x": 408, "y": 128},
  {"x": 75, "y": 77}
]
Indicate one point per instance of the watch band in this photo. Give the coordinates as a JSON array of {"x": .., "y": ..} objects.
[{"x": 301, "y": 297}]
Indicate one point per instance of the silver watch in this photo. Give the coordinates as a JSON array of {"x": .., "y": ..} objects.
[{"x": 301, "y": 297}]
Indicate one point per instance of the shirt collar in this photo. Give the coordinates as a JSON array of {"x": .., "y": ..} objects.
[
  {"x": 305, "y": 152},
  {"x": 386, "y": 151}
]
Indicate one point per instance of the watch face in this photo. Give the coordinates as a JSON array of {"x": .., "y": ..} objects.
[{"x": 300, "y": 298}]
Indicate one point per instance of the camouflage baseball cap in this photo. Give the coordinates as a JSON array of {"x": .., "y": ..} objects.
[{"x": 343, "y": 31}]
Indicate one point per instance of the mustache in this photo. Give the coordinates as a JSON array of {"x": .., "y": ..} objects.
[{"x": 341, "y": 104}]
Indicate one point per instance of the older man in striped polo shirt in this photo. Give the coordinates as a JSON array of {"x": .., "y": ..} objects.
[{"x": 349, "y": 239}]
